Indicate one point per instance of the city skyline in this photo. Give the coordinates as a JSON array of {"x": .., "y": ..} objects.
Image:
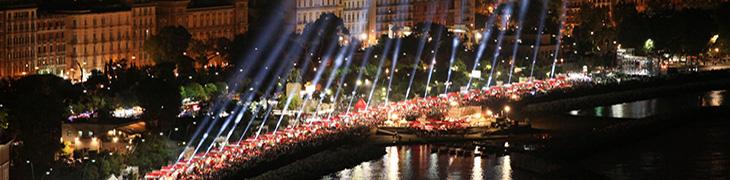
[
  {"x": 364, "y": 89},
  {"x": 62, "y": 40}
]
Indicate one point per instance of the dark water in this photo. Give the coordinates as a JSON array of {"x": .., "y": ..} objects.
[
  {"x": 699, "y": 149},
  {"x": 649, "y": 107},
  {"x": 417, "y": 162},
  {"x": 696, "y": 150}
]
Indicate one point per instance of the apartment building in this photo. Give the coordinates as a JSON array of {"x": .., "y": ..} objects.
[
  {"x": 72, "y": 42},
  {"x": 371, "y": 18},
  {"x": 17, "y": 40}
]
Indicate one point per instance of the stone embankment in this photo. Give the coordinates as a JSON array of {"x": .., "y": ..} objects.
[{"x": 588, "y": 97}]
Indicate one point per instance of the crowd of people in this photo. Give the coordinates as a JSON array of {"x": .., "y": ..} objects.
[
  {"x": 248, "y": 158},
  {"x": 432, "y": 110},
  {"x": 227, "y": 160}
]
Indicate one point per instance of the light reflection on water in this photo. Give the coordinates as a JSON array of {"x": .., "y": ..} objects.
[
  {"x": 696, "y": 149},
  {"x": 713, "y": 98},
  {"x": 418, "y": 162},
  {"x": 506, "y": 167},
  {"x": 650, "y": 107},
  {"x": 390, "y": 162},
  {"x": 476, "y": 171}
]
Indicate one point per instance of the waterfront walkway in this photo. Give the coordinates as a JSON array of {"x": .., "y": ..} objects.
[{"x": 221, "y": 161}]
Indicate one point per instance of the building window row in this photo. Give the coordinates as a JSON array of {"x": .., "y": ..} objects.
[
  {"x": 102, "y": 21},
  {"x": 21, "y": 40},
  {"x": 57, "y": 36},
  {"x": 310, "y": 3},
  {"x": 51, "y": 48},
  {"x": 142, "y": 22},
  {"x": 21, "y": 15},
  {"x": 20, "y": 27},
  {"x": 50, "y": 25},
  {"x": 213, "y": 19},
  {"x": 20, "y": 54}
]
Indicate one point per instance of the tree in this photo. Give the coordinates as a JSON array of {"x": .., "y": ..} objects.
[
  {"x": 328, "y": 28},
  {"x": 185, "y": 66},
  {"x": 212, "y": 89},
  {"x": 90, "y": 171},
  {"x": 203, "y": 52},
  {"x": 294, "y": 104},
  {"x": 697, "y": 27},
  {"x": 193, "y": 91},
  {"x": 152, "y": 152},
  {"x": 111, "y": 164},
  {"x": 94, "y": 102},
  {"x": 4, "y": 121},
  {"x": 168, "y": 45},
  {"x": 648, "y": 46},
  {"x": 432, "y": 29},
  {"x": 239, "y": 47},
  {"x": 101, "y": 166},
  {"x": 295, "y": 76},
  {"x": 221, "y": 47},
  {"x": 262, "y": 12},
  {"x": 460, "y": 74},
  {"x": 683, "y": 32},
  {"x": 96, "y": 78},
  {"x": 595, "y": 35},
  {"x": 722, "y": 18},
  {"x": 161, "y": 101},
  {"x": 199, "y": 51},
  {"x": 222, "y": 87},
  {"x": 199, "y": 92},
  {"x": 632, "y": 29},
  {"x": 534, "y": 11},
  {"x": 36, "y": 111}
]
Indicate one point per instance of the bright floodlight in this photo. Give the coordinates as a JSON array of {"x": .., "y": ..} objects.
[
  {"x": 475, "y": 74},
  {"x": 363, "y": 36},
  {"x": 309, "y": 89}
]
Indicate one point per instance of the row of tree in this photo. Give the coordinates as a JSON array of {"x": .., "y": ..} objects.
[{"x": 673, "y": 31}]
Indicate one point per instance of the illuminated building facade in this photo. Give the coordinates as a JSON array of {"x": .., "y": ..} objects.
[
  {"x": 370, "y": 18},
  {"x": 51, "y": 46},
  {"x": 5, "y": 159},
  {"x": 114, "y": 137},
  {"x": 72, "y": 43},
  {"x": 209, "y": 22},
  {"x": 309, "y": 11},
  {"x": 359, "y": 18},
  {"x": 144, "y": 25},
  {"x": 95, "y": 39},
  {"x": 17, "y": 40},
  {"x": 573, "y": 8},
  {"x": 397, "y": 16}
]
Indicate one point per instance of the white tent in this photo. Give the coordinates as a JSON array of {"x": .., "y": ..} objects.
[{"x": 112, "y": 177}]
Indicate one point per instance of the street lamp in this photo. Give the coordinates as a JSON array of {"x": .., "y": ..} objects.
[
  {"x": 363, "y": 36},
  {"x": 505, "y": 113},
  {"x": 32, "y": 169},
  {"x": 48, "y": 173},
  {"x": 81, "y": 70}
]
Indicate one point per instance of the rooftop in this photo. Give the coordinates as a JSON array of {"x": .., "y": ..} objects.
[
  {"x": 208, "y": 3},
  {"x": 84, "y": 5}
]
